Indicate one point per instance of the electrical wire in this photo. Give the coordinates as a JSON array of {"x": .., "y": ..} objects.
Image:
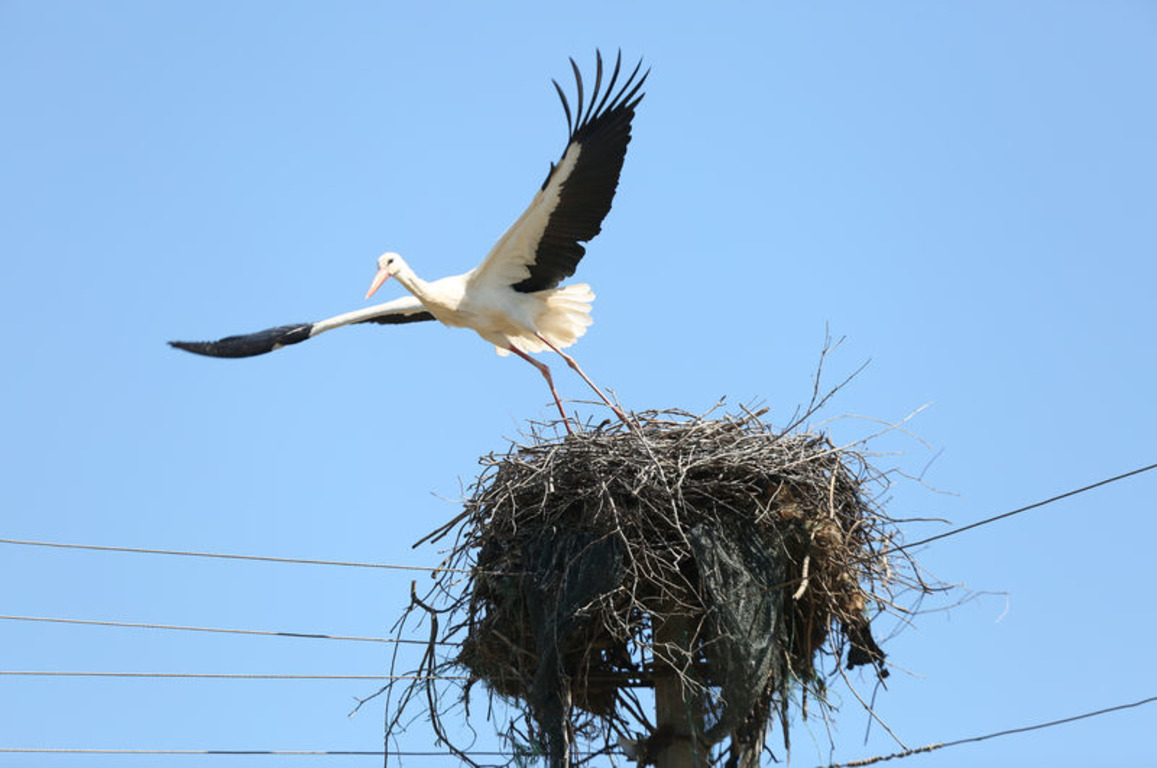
[
  {"x": 368, "y": 753},
  {"x": 262, "y": 632},
  {"x": 430, "y": 569},
  {"x": 1019, "y": 510},
  {"x": 222, "y": 675},
  {"x": 314, "y": 752},
  {"x": 226, "y": 556},
  {"x": 985, "y": 737}
]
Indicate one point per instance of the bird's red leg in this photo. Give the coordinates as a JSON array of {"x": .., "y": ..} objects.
[
  {"x": 545, "y": 371},
  {"x": 571, "y": 362}
]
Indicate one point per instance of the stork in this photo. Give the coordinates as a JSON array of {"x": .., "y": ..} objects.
[{"x": 512, "y": 299}]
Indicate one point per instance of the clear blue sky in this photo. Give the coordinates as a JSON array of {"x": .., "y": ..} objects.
[{"x": 966, "y": 191}]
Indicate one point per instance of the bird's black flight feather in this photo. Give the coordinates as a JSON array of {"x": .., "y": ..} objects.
[
  {"x": 602, "y": 134},
  {"x": 250, "y": 344}
]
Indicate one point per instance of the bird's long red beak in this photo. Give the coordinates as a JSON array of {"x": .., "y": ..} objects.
[{"x": 381, "y": 277}]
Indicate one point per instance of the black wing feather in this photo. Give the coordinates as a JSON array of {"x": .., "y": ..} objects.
[
  {"x": 586, "y": 194},
  {"x": 417, "y": 317},
  {"x": 250, "y": 344}
]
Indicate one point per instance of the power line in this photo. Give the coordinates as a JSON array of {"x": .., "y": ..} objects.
[
  {"x": 253, "y": 752},
  {"x": 1019, "y": 510},
  {"x": 985, "y": 737},
  {"x": 367, "y": 753},
  {"x": 222, "y": 675},
  {"x": 262, "y": 632},
  {"x": 622, "y": 679},
  {"x": 313, "y": 752},
  {"x": 430, "y": 569},
  {"x": 226, "y": 556}
]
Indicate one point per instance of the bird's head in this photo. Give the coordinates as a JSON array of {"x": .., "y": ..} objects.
[{"x": 389, "y": 264}]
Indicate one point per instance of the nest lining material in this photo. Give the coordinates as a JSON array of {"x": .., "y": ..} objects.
[{"x": 716, "y": 548}]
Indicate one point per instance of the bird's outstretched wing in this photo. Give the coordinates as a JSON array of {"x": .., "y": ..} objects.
[
  {"x": 404, "y": 310},
  {"x": 544, "y": 246}
]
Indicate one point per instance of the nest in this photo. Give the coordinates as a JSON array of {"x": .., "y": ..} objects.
[{"x": 714, "y": 554}]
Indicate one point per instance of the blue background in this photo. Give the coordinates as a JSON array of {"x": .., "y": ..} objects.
[{"x": 965, "y": 191}]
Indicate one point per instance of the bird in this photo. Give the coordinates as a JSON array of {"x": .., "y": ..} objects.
[{"x": 513, "y": 298}]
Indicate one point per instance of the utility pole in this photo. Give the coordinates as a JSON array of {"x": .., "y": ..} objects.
[{"x": 678, "y": 715}]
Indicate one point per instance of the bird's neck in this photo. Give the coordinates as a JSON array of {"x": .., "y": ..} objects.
[{"x": 414, "y": 284}]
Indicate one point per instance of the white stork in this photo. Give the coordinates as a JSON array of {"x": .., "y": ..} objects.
[{"x": 512, "y": 298}]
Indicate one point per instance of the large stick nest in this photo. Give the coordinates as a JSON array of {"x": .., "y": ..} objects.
[{"x": 712, "y": 548}]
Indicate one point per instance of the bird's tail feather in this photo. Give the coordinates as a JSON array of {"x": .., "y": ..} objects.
[{"x": 565, "y": 316}]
